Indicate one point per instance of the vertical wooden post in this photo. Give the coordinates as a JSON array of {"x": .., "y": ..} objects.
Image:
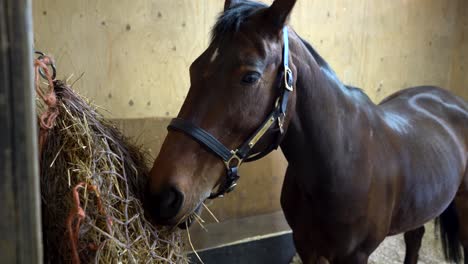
[{"x": 20, "y": 229}]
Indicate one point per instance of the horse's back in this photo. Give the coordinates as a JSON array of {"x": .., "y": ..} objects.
[
  {"x": 423, "y": 105},
  {"x": 436, "y": 93},
  {"x": 428, "y": 117}
]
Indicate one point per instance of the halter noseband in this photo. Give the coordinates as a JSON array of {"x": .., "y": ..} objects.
[{"x": 233, "y": 158}]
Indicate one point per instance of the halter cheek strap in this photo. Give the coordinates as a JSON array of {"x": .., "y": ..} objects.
[{"x": 233, "y": 158}]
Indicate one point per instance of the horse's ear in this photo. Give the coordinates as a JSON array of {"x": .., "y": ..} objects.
[
  {"x": 279, "y": 11},
  {"x": 229, "y": 3}
]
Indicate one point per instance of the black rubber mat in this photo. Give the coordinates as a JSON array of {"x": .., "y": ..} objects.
[{"x": 274, "y": 250}]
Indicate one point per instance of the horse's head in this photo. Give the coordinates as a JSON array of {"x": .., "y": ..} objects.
[{"x": 236, "y": 88}]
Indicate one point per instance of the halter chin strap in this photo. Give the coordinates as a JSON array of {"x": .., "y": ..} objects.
[{"x": 233, "y": 158}]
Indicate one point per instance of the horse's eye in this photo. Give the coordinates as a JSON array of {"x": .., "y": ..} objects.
[{"x": 250, "y": 78}]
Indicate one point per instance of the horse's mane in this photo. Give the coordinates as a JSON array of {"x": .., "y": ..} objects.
[
  {"x": 325, "y": 67},
  {"x": 230, "y": 21}
]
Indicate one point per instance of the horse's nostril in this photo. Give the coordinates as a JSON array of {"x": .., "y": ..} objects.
[
  {"x": 170, "y": 198},
  {"x": 166, "y": 204}
]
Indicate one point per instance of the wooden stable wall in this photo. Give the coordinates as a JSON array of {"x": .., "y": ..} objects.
[
  {"x": 135, "y": 54},
  {"x": 459, "y": 69},
  {"x": 135, "y": 57}
]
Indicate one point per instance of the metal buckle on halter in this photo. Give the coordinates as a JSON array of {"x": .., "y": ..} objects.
[
  {"x": 231, "y": 188},
  {"x": 288, "y": 78},
  {"x": 232, "y": 177},
  {"x": 281, "y": 122},
  {"x": 230, "y": 181}
]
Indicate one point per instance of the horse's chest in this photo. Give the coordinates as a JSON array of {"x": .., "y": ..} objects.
[
  {"x": 327, "y": 203},
  {"x": 330, "y": 222}
]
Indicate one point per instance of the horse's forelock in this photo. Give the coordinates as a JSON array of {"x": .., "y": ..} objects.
[{"x": 230, "y": 21}]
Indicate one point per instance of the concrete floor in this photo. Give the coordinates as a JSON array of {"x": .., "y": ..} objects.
[
  {"x": 392, "y": 250},
  {"x": 238, "y": 231}
]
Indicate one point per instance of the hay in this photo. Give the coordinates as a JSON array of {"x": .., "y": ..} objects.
[{"x": 91, "y": 179}]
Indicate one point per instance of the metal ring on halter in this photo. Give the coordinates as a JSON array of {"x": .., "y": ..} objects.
[
  {"x": 233, "y": 161},
  {"x": 288, "y": 78},
  {"x": 41, "y": 72}
]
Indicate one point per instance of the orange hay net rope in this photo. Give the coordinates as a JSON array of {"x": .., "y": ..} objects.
[
  {"x": 47, "y": 122},
  {"x": 47, "y": 118}
]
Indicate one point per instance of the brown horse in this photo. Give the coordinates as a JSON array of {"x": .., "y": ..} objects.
[{"x": 357, "y": 171}]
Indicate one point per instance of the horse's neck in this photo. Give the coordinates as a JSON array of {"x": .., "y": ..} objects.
[{"x": 329, "y": 119}]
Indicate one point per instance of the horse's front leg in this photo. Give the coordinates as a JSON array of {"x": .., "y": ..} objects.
[
  {"x": 297, "y": 215},
  {"x": 308, "y": 256}
]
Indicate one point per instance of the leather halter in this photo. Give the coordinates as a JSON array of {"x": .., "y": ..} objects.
[{"x": 233, "y": 158}]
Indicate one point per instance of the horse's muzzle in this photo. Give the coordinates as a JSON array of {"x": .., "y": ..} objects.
[{"x": 164, "y": 205}]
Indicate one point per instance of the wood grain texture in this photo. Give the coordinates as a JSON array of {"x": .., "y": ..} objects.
[
  {"x": 382, "y": 46},
  {"x": 20, "y": 239},
  {"x": 135, "y": 54},
  {"x": 459, "y": 67}
]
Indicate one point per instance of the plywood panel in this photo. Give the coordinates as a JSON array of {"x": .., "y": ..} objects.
[
  {"x": 459, "y": 69},
  {"x": 382, "y": 46},
  {"x": 135, "y": 54}
]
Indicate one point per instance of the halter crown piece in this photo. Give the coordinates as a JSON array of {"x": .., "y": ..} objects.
[{"x": 233, "y": 158}]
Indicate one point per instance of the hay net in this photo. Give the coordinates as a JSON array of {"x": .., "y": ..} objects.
[{"x": 91, "y": 185}]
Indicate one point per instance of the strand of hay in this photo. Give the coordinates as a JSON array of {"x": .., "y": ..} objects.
[{"x": 91, "y": 179}]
